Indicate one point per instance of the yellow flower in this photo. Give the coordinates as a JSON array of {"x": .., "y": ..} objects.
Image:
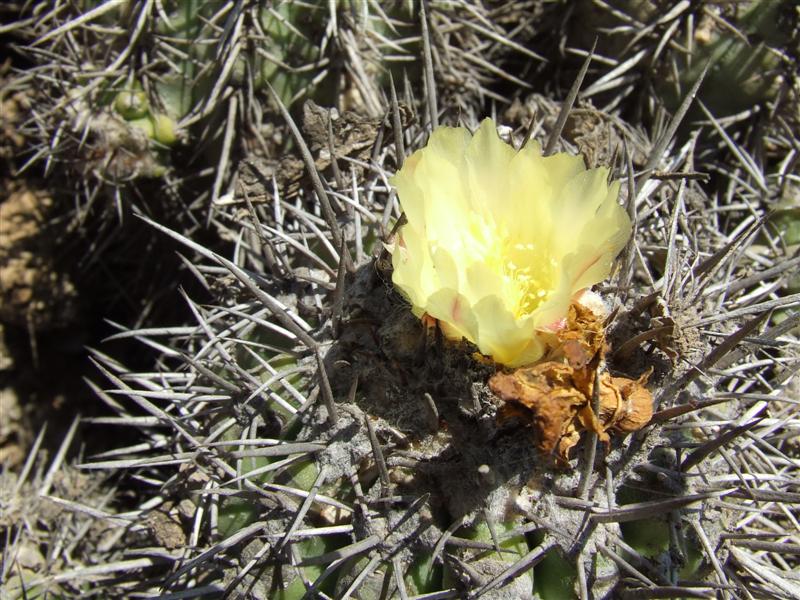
[{"x": 499, "y": 241}]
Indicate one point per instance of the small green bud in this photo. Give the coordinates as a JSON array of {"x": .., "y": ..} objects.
[
  {"x": 131, "y": 104},
  {"x": 145, "y": 124},
  {"x": 163, "y": 129},
  {"x": 158, "y": 171}
]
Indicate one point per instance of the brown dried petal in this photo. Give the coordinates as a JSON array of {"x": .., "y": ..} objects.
[
  {"x": 590, "y": 422},
  {"x": 638, "y": 403},
  {"x": 542, "y": 397},
  {"x": 554, "y": 398},
  {"x": 548, "y": 399},
  {"x": 612, "y": 405},
  {"x": 568, "y": 442},
  {"x": 582, "y": 338}
]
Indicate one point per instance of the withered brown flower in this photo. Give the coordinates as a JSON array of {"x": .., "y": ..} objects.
[{"x": 554, "y": 398}]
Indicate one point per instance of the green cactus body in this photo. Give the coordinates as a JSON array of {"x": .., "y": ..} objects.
[
  {"x": 20, "y": 588},
  {"x": 742, "y": 73},
  {"x": 235, "y": 513},
  {"x": 786, "y": 223},
  {"x": 511, "y": 549},
  {"x": 555, "y": 577},
  {"x": 424, "y": 575},
  {"x": 655, "y": 538},
  {"x": 306, "y": 549}
]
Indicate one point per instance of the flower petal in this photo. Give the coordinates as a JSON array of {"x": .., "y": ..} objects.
[
  {"x": 576, "y": 205},
  {"x": 413, "y": 268},
  {"x": 488, "y": 159},
  {"x": 446, "y": 209},
  {"x": 502, "y": 336},
  {"x": 408, "y": 190},
  {"x": 526, "y": 212},
  {"x": 446, "y": 267},
  {"x": 454, "y": 314}
]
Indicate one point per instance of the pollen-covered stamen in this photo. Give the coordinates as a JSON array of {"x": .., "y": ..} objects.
[{"x": 531, "y": 274}]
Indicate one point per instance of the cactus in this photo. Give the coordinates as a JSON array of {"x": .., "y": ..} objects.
[
  {"x": 148, "y": 79},
  {"x": 307, "y": 436},
  {"x": 658, "y": 50},
  {"x": 147, "y": 107},
  {"x": 744, "y": 66},
  {"x": 387, "y": 472}
]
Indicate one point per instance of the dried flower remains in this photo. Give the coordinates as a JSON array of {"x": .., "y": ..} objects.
[{"x": 554, "y": 398}]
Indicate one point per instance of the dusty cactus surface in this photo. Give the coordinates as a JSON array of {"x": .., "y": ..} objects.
[{"x": 273, "y": 419}]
